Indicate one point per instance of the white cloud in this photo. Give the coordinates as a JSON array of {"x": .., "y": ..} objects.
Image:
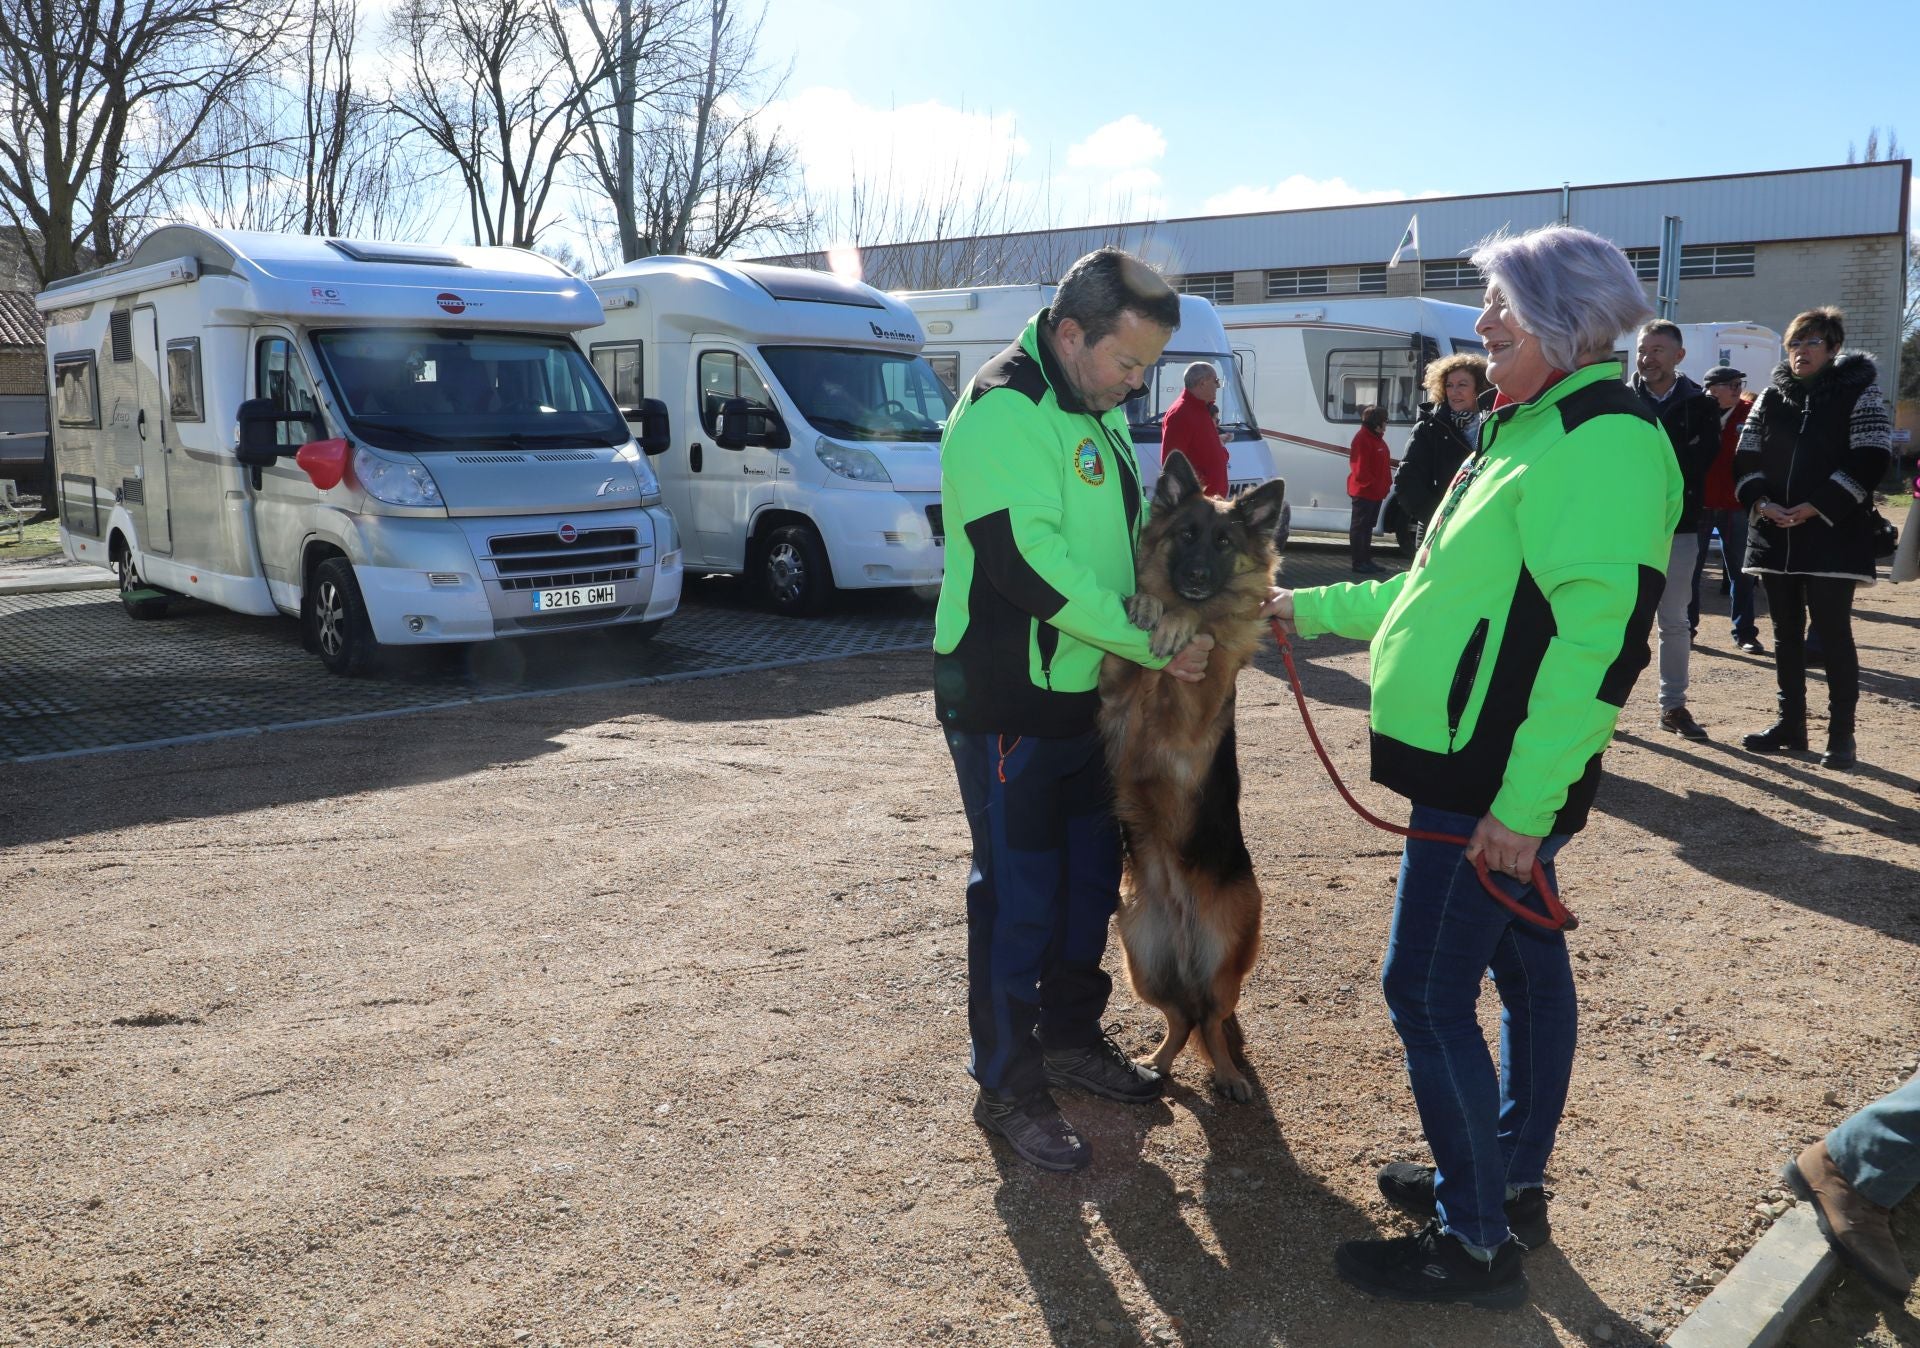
[
  {"x": 1296, "y": 193},
  {"x": 902, "y": 151},
  {"x": 1128, "y": 143}
]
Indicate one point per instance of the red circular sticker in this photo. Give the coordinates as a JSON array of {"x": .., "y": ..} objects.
[{"x": 451, "y": 302}]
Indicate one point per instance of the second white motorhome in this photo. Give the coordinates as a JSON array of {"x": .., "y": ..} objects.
[
  {"x": 806, "y": 453},
  {"x": 967, "y": 327},
  {"x": 398, "y": 444},
  {"x": 1311, "y": 368}
]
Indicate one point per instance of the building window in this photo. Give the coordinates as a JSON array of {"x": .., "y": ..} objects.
[
  {"x": 1299, "y": 281},
  {"x": 1216, "y": 287},
  {"x": 76, "y": 389},
  {"x": 1697, "y": 261},
  {"x": 1454, "y": 274}
]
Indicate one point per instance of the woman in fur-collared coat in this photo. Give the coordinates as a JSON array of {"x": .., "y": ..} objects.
[{"x": 1816, "y": 442}]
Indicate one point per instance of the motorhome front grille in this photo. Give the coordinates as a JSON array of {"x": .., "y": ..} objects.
[
  {"x": 543, "y": 561},
  {"x": 565, "y": 456},
  {"x": 489, "y": 458}
]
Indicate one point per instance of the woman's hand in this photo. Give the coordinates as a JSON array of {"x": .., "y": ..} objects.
[
  {"x": 1783, "y": 518},
  {"x": 1799, "y": 514},
  {"x": 1280, "y": 605},
  {"x": 1508, "y": 852}
]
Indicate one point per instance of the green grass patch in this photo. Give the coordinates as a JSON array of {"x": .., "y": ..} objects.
[{"x": 42, "y": 540}]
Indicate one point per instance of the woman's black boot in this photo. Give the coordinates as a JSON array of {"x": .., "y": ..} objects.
[
  {"x": 1789, "y": 732},
  {"x": 1839, "y": 754}
]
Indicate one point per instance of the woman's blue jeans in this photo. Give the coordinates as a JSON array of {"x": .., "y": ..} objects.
[{"x": 1488, "y": 1130}]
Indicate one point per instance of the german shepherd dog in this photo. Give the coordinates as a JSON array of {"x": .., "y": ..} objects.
[{"x": 1190, "y": 913}]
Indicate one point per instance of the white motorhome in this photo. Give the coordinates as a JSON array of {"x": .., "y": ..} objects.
[
  {"x": 398, "y": 444},
  {"x": 969, "y": 326},
  {"x": 808, "y": 449},
  {"x": 1312, "y": 367},
  {"x": 1749, "y": 347}
]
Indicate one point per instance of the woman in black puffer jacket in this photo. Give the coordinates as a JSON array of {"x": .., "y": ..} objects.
[
  {"x": 1448, "y": 429},
  {"x": 1812, "y": 448}
]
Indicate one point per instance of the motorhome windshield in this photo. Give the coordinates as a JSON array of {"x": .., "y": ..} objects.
[
  {"x": 1165, "y": 383},
  {"x": 862, "y": 395},
  {"x": 424, "y": 389}
]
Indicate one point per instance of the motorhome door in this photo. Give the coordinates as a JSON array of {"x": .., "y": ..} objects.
[
  {"x": 156, "y": 530},
  {"x": 286, "y": 499},
  {"x": 728, "y": 484}
]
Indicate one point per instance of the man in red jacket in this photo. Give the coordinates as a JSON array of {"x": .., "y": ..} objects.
[
  {"x": 1721, "y": 509},
  {"x": 1369, "y": 479},
  {"x": 1191, "y": 426}
]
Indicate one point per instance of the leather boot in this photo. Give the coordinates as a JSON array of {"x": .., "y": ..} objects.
[
  {"x": 1856, "y": 1228},
  {"x": 1789, "y": 732},
  {"x": 1839, "y": 754}
]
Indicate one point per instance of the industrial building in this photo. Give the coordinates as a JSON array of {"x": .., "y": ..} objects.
[{"x": 1758, "y": 247}]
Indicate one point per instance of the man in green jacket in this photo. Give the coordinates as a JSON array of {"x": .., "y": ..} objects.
[{"x": 1042, "y": 503}]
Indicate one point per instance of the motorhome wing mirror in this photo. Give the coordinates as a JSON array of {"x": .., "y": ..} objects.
[
  {"x": 730, "y": 426},
  {"x": 260, "y": 420},
  {"x": 656, "y": 429}
]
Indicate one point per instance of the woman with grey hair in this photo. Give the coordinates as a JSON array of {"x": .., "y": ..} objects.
[{"x": 1501, "y": 660}]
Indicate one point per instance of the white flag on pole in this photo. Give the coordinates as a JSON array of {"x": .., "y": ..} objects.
[{"x": 1409, "y": 242}]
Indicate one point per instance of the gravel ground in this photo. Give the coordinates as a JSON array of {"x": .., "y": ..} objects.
[{"x": 638, "y": 1018}]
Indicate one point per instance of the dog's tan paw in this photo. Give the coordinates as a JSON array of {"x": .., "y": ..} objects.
[
  {"x": 1174, "y": 630},
  {"x": 1143, "y": 611},
  {"x": 1235, "y": 1087}
]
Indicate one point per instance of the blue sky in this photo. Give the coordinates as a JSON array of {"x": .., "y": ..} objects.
[{"x": 1136, "y": 110}]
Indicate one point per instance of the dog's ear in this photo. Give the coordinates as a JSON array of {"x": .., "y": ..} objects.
[
  {"x": 1177, "y": 482},
  {"x": 1259, "y": 509}
]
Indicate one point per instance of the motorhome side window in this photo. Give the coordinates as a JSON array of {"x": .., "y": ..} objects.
[
  {"x": 184, "y": 399},
  {"x": 618, "y": 365},
  {"x": 76, "y": 389},
  {"x": 946, "y": 364},
  {"x": 725, "y": 375},
  {"x": 1355, "y": 372},
  {"x": 283, "y": 379}
]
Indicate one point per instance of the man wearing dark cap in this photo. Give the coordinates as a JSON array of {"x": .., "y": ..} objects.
[{"x": 1721, "y": 510}]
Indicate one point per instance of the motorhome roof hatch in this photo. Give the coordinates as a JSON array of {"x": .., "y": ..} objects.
[
  {"x": 814, "y": 287},
  {"x": 394, "y": 252}
]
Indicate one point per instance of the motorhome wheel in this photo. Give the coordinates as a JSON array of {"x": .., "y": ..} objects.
[
  {"x": 340, "y": 632},
  {"x": 794, "y": 572},
  {"x": 140, "y": 600}
]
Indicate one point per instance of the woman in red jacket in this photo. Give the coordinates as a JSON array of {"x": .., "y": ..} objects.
[{"x": 1368, "y": 481}]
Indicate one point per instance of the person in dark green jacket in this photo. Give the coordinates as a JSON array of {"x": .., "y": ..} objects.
[
  {"x": 1041, "y": 497},
  {"x": 1500, "y": 662}
]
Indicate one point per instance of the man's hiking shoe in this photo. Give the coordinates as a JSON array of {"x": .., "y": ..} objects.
[
  {"x": 1409, "y": 1188},
  {"x": 1035, "y": 1129},
  {"x": 1434, "y": 1266},
  {"x": 1680, "y": 721},
  {"x": 1103, "y": 1068}
]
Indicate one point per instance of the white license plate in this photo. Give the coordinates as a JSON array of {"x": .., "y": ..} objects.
[{"x": 580, "y": 596}]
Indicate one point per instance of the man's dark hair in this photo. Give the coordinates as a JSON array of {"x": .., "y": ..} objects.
[
  {"x": 1107, "y": 283},
  {"x": 1660, "y": 327}
]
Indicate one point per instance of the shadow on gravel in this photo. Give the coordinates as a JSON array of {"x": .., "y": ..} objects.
[
  {"x": 1738, "y": 844},
  {"x": 1241, "y": 1259},
  {"x": 70, "y": 798}
]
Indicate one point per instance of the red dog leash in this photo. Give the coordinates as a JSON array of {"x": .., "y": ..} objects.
[{"x": 1557, "y": 918}]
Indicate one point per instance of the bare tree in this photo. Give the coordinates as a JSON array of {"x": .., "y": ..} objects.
[
  {"x": 1875, "y": 152},
  {"x": 101, "y": 102},
  {"x": 489, "y": 90}
]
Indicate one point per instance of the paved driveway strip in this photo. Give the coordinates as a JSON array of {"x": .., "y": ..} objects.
[{"x": 78, "y": 676}]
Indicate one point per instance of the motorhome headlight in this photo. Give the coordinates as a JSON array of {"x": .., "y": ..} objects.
[
  {"x": 643, "y": 472},
  {"x": 851, "y": 461},
  {"x": 401, "y": 484}
]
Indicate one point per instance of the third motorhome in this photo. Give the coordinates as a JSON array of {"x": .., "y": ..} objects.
[
  {"x": 968, "y": 327},
  {"x": 806, "y": 453},
  {"x": 1311, "y": 368}
]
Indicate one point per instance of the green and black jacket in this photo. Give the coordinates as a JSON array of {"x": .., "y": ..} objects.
[
  {"x": 1041, "y": 499},
  {"x": 1502, "y": 658}
]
